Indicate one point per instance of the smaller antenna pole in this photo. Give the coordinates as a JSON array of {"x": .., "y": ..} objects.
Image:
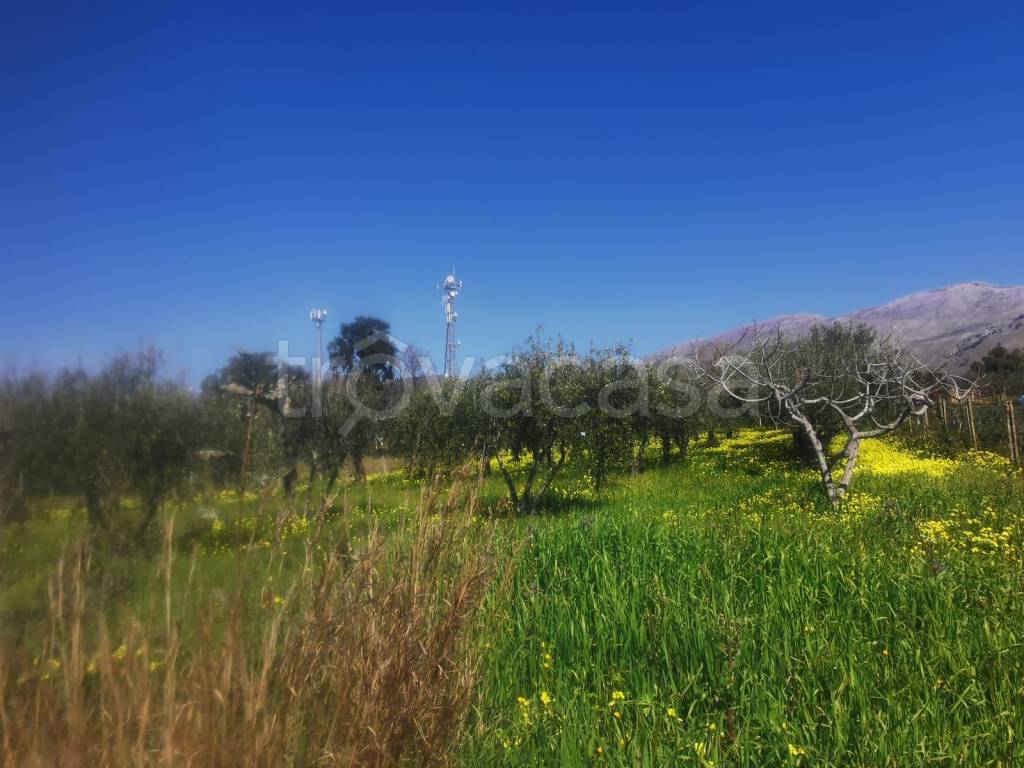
[{"x": 318, "y": 316}]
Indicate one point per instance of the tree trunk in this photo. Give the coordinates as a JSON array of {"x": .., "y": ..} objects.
[
  {"x": 512, "y": 495},
  {"x": 554, "y": 471},
  {"x": 638, "y": 461},
  {"x": 250, "y": 417},
  {"x": 288, "y": 481},
  {"x": 819, "y": 455},
  {"x": 97, "y": 517},
  {"x": 311, "y": 480},
  {"x": 525, "y": 502},
  {"x": 332, "y": 477},
  {"x": 683, "y": 441},
  {"x": 600, "y": 468},
  {"x": 852, "y": 453},
  {"x": 151, "y": 507},
  {"x": 526, "y": 497}
]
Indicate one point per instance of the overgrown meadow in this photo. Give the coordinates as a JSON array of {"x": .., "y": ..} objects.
[{"x": 712, "y": 611}]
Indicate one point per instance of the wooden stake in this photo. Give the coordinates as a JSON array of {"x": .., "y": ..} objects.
[
  {"x": 1009, "y": 432},
  {"x": 970, "y": 421},
  {"x": 1011, "y": 421}
]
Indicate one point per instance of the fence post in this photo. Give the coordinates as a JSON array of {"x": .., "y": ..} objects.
[
  {"x": 1011, "y": 428},
  {"x": 970, "y": 420},
  {"x": 1009, "y": 431}
]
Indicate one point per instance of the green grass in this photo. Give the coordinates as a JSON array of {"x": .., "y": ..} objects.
[
  {"x": 710, "y": 612},
  {"x": 231, "y": 543},
  {"x": 759, "y": 634}
]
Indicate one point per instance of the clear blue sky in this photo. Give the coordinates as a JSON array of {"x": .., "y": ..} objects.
[{"x": 199, "y": 177}]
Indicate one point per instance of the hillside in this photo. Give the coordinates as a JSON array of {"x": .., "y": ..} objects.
[{"x": 954, "y": 325}]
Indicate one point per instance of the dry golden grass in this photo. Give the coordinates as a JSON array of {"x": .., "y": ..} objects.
[{"x": 367, "y": 661}]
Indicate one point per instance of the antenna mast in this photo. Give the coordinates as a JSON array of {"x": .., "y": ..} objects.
[{"x": 450, "y": 289}]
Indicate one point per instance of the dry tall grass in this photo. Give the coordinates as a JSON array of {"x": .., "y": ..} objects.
[{"x": 368, "y": 661}]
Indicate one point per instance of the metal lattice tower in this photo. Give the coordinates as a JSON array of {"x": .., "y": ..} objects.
[{"x": 450, "y": 289}]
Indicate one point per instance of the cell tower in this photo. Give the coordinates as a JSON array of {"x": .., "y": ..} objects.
[{"x": 450, "y": 289}]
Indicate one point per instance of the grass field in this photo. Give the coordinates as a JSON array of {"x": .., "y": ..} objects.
[
  {"x": 718, "y": 614},
  {"x": 712, "y": 612}
]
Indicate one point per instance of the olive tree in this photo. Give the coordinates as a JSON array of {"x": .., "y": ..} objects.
[
  {"x": 615, "y": 412},
  {"x": 249, "y": 389},
  {"x": 440, "y": 426},
  {"x": 678, "y": 404},
  {"x": 533, "y": 403}
]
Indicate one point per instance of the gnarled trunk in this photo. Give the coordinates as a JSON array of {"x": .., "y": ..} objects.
[
  {"x": 357, "y": 467},
  {"x": 820, "y": 457}
]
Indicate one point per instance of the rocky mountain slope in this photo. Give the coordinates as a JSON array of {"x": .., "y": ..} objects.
[{"x": 954, "y": 325}]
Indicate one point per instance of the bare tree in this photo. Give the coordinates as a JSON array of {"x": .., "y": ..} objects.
[{"x": 843, "y": 373}]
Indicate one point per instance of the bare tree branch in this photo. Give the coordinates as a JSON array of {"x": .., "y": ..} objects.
[{"x": 871, "y": 385}]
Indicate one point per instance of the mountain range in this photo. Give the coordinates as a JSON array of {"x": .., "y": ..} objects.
[{"x": 952, "y": 326}]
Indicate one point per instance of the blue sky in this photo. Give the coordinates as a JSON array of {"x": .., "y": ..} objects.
[{"x": 198, "y": 177}]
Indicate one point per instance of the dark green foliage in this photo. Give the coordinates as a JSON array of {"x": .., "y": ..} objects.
[
  {"x": 121, "y": 432},
  {"x": 366, "y": 356},
  {"x": 1003, "y": 371},
  {"x": 364, "y": 345}
]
